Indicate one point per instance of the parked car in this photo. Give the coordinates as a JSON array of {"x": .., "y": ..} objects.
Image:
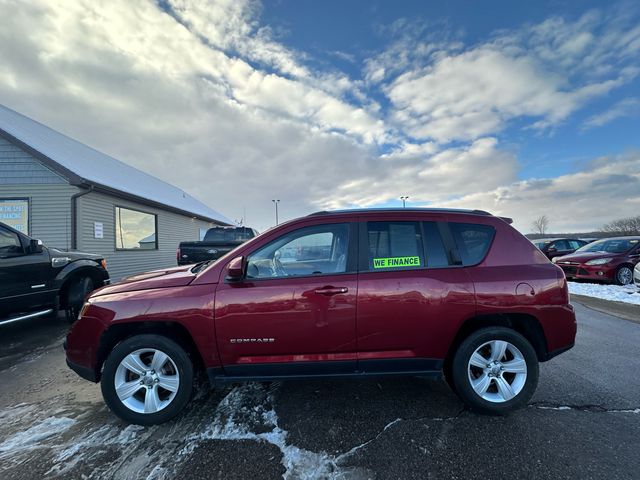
[
  {"x": 37, "y": 281},
  {"x": 396, "y": 292},
  {"x": 610, "y": 260},
  {"x": 218, "y": 241},
  {"x": 556, "y": 247}
]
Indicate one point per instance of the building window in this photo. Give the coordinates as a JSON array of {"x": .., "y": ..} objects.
[
  {"x": 15, "y": 213},
  {"x": 135, "y": 230}
]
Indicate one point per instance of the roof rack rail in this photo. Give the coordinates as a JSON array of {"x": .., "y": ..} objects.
[{"x": 410, "y": 209}]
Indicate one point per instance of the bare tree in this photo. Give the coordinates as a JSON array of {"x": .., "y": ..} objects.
[
  {"x": 540, "y": 225},
  {"x": 624, "y": 226}
]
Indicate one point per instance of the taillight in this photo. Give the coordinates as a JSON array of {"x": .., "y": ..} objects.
[
  {"x": 103, "y": 262},
  {"x": 178, "y": 255}
]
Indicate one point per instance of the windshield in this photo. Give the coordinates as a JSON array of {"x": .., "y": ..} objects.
[
  {"x": 618, "y": 245},
  {"x": 541, "y": 245},
  {"x": 228, "y": 234}
]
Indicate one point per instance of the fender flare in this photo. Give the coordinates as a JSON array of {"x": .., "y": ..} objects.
[{"x": 72, "y": 269}]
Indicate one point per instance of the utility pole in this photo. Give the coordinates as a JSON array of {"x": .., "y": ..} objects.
[
  {"x": 275, "y": 202},
  {"x": 404, "y": 199}
]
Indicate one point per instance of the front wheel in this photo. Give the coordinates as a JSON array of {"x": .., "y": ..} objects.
[
  {"x": 147, "y": 379},
  {"x": 78, "y": 291},
  {"x": 624, "y": 275},
  {"x": 495, "y": 370}
]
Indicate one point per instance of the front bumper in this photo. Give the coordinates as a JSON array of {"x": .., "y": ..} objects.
[
  {"x": 582, "y": 271},
  {"x": 84, "y": 372}
]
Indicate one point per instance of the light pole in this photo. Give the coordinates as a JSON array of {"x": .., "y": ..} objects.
[
  {"x": 404, "y": 199},
  {"x": 275, "y": 202}
]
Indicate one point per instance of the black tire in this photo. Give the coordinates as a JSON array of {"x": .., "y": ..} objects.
[
  {"x": 460, "y": 370},
  {"x": 628, "y": 280},
  {"x": 147, "y": 341},
  {"x": 78, "y": 291}
]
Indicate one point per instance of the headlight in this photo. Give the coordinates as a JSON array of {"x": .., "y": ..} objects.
[
  {"x": 554, "y": 259},
  {"x": 86, "y": 305},
  {"x": 598, "y": 261}
]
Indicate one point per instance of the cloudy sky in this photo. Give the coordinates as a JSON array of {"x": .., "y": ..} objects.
[{"x": 519, "y": 108}]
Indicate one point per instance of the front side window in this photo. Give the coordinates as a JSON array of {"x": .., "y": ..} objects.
[
  {"x": 575, "y": 244},
  {"x": 9, "y": 244},
  {"x": 395, "y": 246},
  {"x": 135, "y": 230},
  {"x": 317, "y": 250},
  {"x": 560, "y": 245},
  {"x": 473, "y": 241}
]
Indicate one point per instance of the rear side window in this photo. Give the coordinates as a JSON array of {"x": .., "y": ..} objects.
[
  {"x": 436, "y": 253},
  {"x": 394, "y": 246},
  {"x": 473, "y": 241}
]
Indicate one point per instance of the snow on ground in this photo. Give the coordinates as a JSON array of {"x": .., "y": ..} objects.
[{"x": 616, "y": 293}]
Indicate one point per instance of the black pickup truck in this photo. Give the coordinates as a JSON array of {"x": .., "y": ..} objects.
[
  {"x": 217, "y": 242},
  {"x": 37, "y": 281}
]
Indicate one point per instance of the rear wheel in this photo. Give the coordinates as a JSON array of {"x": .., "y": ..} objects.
[
  {"x": 624, "y": 275},
  {"x": 495, "y": 370},
  {"x": 147, "y": 379}
]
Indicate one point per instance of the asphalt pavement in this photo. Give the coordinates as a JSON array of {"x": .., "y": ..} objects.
[{"x": 583, "y": 422}]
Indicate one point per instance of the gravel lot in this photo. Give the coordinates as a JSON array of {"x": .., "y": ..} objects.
[{"x": 584, "y": 422}]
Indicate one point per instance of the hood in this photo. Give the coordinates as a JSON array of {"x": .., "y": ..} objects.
[
  {"x": 163, "y": 278},
  {"x": 581, "y": 257}
]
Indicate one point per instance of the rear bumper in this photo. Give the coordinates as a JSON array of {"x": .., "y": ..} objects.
[{"x": 557, "y": 352}]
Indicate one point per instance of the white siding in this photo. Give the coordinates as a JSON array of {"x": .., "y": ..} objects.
[{"x": 172, "y": 229}]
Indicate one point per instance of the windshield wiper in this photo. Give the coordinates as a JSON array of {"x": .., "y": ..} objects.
[{"x": 199, "y": 266}]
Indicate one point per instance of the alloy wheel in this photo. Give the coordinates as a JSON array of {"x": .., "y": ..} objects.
[
  {"x": 624, "y": 276},
  {"x": 497, "y": 371},
  {"x": 146, "y": 380}
]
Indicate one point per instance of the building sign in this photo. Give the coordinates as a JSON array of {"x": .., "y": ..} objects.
[
  {"x": 15, "y": 213},
  {"x": 98, "y": 230}
]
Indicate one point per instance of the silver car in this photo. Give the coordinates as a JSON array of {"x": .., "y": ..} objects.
[{"x": 636, "y": 276}]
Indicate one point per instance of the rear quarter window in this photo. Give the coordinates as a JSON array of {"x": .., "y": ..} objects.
[{"x": 473, "y": 241}]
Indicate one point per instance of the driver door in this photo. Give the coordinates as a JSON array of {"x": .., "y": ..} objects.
[
  {"x": 295, "y": 312},
  {"x": 25, "y": 282}
]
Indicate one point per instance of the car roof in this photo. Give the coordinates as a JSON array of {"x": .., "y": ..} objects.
[
  {"x": 555, "y": 239},
  {"x": 405, "y": 210},
  {"x": 624, "y": 237}
]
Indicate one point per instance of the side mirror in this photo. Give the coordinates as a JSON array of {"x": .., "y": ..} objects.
[
  {"x": 35, "y": 246},
  {"x": 235, "y": 269},
  {"x": 552, "y": 250}
]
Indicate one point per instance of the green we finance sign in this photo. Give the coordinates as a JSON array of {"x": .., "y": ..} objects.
[{"x": 395, "y": 262}]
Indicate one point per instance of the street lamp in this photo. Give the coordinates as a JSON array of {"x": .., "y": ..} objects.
[
  {"x": 275, "y": 202},
  {"x": 404, "y": 199}
]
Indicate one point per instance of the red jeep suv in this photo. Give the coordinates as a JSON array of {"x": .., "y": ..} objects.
[{"x": 357, "y": 293}]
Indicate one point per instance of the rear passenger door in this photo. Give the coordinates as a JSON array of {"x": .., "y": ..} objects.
[{"x": 410, "y": 294}]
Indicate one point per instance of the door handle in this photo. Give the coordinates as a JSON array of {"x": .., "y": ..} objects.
[{"x": 331, "y": 290}]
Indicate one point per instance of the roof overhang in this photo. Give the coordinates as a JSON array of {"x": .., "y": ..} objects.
[{"x": 78, "y": 181}]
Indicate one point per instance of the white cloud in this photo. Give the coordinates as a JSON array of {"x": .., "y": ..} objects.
[
  {"x": 605, "y": 189},
  {"x": 447, "y": 94},
  {"x": 626, "y": 107},
  {"x": 207, "y": 98}
]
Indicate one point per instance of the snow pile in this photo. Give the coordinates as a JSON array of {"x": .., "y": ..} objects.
[
  {"x": 32, "y": 437},
  {"x": 615, "y": 293},
  {"x": 247, "y": 413}
]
